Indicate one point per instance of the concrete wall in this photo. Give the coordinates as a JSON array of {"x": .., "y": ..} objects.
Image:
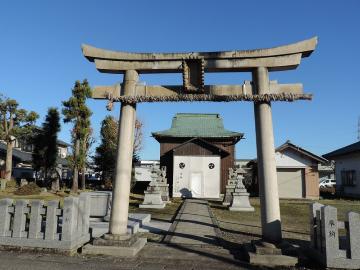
[
  {"x": 22, "y": 223},
  {"x": 348, "y": 162},
  {"x": 142, "y": 174}
]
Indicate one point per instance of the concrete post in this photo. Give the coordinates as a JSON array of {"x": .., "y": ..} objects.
[
  {"x": 70, "y": 214},
  {"x": 37, "y": 208},
  {"x": 268, "y": 187},
  {"x": 21, "y": 209},
  {"x": 51, "y": 223},
  {"x": 121, "y": 188},
  {"x": 5, "y": 219}
]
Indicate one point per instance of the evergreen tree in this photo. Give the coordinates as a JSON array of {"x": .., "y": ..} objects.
[
  {"x": 45, "y": 147},
  {"x": 15, "y": 124},
  {"x": 76, "y": 112},
  {"x": 105, "y": 155}
]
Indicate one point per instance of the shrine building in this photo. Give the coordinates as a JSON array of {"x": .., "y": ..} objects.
[{"x": 197, "y": 151}]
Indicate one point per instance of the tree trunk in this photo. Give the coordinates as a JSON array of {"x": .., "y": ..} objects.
[
  {"x": 75, "y": 183},
  {"x": 84, "y": 165},
  {"x": 83, "y": 179},
  {"x": 8, "y": 162}
]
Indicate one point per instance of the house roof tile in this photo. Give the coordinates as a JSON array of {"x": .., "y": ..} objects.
[{"x": 355, "y": 147}]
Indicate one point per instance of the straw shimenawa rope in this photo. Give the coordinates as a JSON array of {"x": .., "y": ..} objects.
[{"x": 215, "y": 98}]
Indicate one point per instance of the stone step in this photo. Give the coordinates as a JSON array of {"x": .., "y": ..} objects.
[
  {"x": 99, "y": 228},
  {"x": 140, "y": 217},
  {"x": 116, "y": 251},
  {"x": 267, "y": 254},
  {"x": 272, "y": 260},
  {"x": 138, "y": 222}
]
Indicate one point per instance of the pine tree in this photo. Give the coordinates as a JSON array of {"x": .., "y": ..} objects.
[
  {"x": 45, "y": 147},
  {"x": 105, "y": 155},
  {"x": 76, "y": 112},
  {"x": 15, "y": 123}
]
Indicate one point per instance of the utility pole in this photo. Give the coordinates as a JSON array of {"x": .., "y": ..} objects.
[{"x": 358, "y": 131}]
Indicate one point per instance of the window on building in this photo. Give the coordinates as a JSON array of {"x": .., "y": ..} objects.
[{"x": 348, "y": 178}]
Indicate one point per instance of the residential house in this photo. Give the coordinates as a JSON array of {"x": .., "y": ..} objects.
[
  {"x": 22, "y": 159},
  {"x": 347, "y": 169},
  {"x": 297, "y": 172}
]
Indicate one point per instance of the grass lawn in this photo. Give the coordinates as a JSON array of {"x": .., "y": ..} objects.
[
  {"x": 240, "y": 227},
  {"x": 167, "y": 214},
  {"x": 46, "y": 196}
]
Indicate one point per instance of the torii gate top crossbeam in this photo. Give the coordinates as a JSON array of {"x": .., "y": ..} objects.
[{"x": 274, "y": 59}]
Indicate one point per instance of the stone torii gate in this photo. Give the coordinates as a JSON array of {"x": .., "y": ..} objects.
[{"x": 193, "y": 67}]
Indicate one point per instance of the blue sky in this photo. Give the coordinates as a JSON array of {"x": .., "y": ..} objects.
[{"x": 40, "y": 58}]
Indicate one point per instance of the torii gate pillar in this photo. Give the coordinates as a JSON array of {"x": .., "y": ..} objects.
[
  {"x": 268, "y": 187},
  {"x": 121, "y": 189}
]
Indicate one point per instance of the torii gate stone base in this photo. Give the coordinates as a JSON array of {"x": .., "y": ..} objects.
[{"x": 193, "y": 67}]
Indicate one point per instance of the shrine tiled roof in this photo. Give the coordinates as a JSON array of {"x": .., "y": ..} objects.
[{"x": 199, "y": 125}]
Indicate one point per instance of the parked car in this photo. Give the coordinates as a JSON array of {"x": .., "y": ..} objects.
[
  {"x": 328, "y": 183},
  {"x": 23, "y": 173}
]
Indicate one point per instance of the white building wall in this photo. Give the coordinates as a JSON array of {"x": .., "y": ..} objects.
[
  {"x": 196, "y": 179},
  {"x": 291, "y": 159},
  {"x": 348, "y": 162},
  {"x": 142, "y": 174},
  {"x": 62, "y": 151}
]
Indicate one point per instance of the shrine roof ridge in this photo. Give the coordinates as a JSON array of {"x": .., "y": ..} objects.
[{"x": 305, "y": 48}]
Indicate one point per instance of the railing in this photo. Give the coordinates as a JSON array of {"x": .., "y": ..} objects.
[
  {"x": 36, "y": 225},
  {"x": 328, "y": 247}
]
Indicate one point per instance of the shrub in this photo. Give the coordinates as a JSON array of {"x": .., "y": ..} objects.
[
  {"x": 29, "y": 189},
  {"x": 108, "y": 184},
  {"x": 11, "y": 183}
]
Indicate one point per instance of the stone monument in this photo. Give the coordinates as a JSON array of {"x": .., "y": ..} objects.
[
  {"x": 153, "y": 198},
  {"x": 327, "y": 246},
  {"x": 240, "y": 197},
  {"x": 23, "y": 182},
  {"x": 163, "y": 185},
  {"x": 230, "y": 187}
]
